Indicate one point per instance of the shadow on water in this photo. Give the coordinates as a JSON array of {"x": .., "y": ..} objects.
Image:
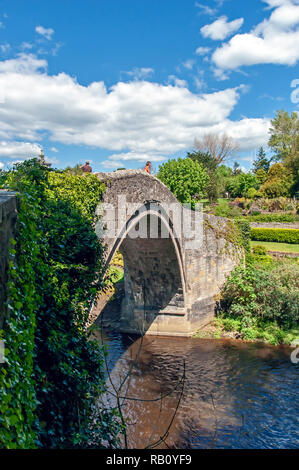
[{"x": 236, "y": 395}]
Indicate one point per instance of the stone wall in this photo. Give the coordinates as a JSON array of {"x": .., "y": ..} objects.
[{"x": 8, "y": 217}]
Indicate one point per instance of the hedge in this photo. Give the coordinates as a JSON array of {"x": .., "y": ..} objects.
[
  {"x": 280, "y": 235},
  {"x": 271, "y": 218}
]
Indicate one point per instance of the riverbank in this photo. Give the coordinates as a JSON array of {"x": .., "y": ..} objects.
[{"x": 269, "y": 333}]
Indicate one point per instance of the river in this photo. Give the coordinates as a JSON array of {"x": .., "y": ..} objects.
[{"x": 235, "y": 395}]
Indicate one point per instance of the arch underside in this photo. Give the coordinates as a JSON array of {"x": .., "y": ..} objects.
[{"x": 153, "y": 277}]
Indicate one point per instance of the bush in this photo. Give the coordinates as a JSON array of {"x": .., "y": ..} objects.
[
  {"x": 259, "y": 250},
  {"x": 280, "y": 235},
  {"x": 224, "y": 209},
  {"x": 256, "y": 295},
  {"x": 244, "y": 230},
  {"x": 275, "y": 204},
  {"x": 258, "y": 217},
  {"x": 251, "y": 193}
]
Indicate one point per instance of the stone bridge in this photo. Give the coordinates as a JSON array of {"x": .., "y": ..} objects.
[{"x": 172, "y": 278}]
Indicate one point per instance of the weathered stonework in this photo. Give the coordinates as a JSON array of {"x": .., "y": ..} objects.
[
  {"x": 8, "y": 216},
  {"x": 170, "y": 287}
]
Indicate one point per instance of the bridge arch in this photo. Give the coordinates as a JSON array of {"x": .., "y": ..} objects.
[
  {"x": 171, "y": 286},
  {"x": 159, "y": 212}
]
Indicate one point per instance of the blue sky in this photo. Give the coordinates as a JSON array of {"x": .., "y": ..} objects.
[{"x": 121, "y": 82}]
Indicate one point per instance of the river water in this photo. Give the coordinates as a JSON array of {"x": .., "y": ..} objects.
[{"x": 235, "y": 395}]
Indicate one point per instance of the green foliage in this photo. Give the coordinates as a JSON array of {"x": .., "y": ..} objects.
[
  {"x": 251, "y": 193},
  {"x": 271, "y": 218},
  {"x": 261, "y": 175},
  {"x": 282, "y": 235},
  {"x": 239, "y": 185},
  {"x": 114, "y": 275},
  {"x": 244, "y": 230},
  {"x": 224, "y": 209},
  {"x": 266, "y": 331},
  {"x": 278, "y": 183},
  {"x": 255, "y": 295},
  {"x": 18, "y": 401},
  {"x": 284, "y": 134},
  {"x": 217, "y": 174},
  {"x": 205, "y": 159},
  {"x": 259, "y": 250},
  {"x": 186, "y": 178},
  {"x": 273, "y": 205},
  {"x": 261, "y": 163},
  {"x": 54, "y": 281}
]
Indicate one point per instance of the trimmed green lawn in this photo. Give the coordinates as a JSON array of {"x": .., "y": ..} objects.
[{"x": 286, "y": 247}]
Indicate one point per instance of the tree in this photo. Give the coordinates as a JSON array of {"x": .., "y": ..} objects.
[
  {"x": 261, "y": 175},
  {"x": 284, "y": 140},
  {"x": 261, "y": 162},
  {"x": 220, "y": 147},
  {"x": 205, "y": 159},
  {"x": 186, "y": 178},
  {"x": 208, "y": 162},
  {"x": 237, "y": 170},
  {"x": 239, "y": 185},
  {"x": 278, "y": 183}
]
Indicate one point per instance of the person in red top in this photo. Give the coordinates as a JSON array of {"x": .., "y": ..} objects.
[
  {"x": 148, "y": 167},
  {"x": 86, "y": 168}
]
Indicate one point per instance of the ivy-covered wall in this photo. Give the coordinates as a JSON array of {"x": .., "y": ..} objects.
[
  {"x": 53, "y": 373},
  {"x": 7, "y": 230}
]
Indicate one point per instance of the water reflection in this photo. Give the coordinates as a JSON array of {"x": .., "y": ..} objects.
[{"x": 236, "y": 395}]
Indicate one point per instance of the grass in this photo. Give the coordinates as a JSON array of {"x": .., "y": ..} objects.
[
  {"x": 272, "y": 246},
  {"x": 267, "y": 332}
]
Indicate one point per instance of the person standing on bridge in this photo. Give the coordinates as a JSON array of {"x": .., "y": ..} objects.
[
  {"x": 148, "y": 167},
  {"x": 86, "y": 168}
]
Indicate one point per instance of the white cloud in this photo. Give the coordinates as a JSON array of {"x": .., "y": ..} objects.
[
  {"x": 205, "y": 9},
  {"x": 21, "y": 150},
  {"x": 221, "y": 28},
  {"x": 177, "y": 81},
  {"x": 202, "y": 50},
  {"x": 273, "y": 41},
  {"x": 1, "y": 165},
  {"x": 219, "y": 74},
  {"x": 5, "y": 48},
  {"x": 140, "y": 73},
  {"x": 249, "y": 133},
  {"x": 23, "y": 64},
  {"x": 26, "y": 45},
  {"x": 137, "y": 157},
  {"x": 138, "y": 117},
  {"x": 47, "y": 33},
  {"x": 54, "y": 149},
  {"x": 199, "y": 83},
  {"x": 188, "y": 64},
  {"x": 112, "y": 164}
]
